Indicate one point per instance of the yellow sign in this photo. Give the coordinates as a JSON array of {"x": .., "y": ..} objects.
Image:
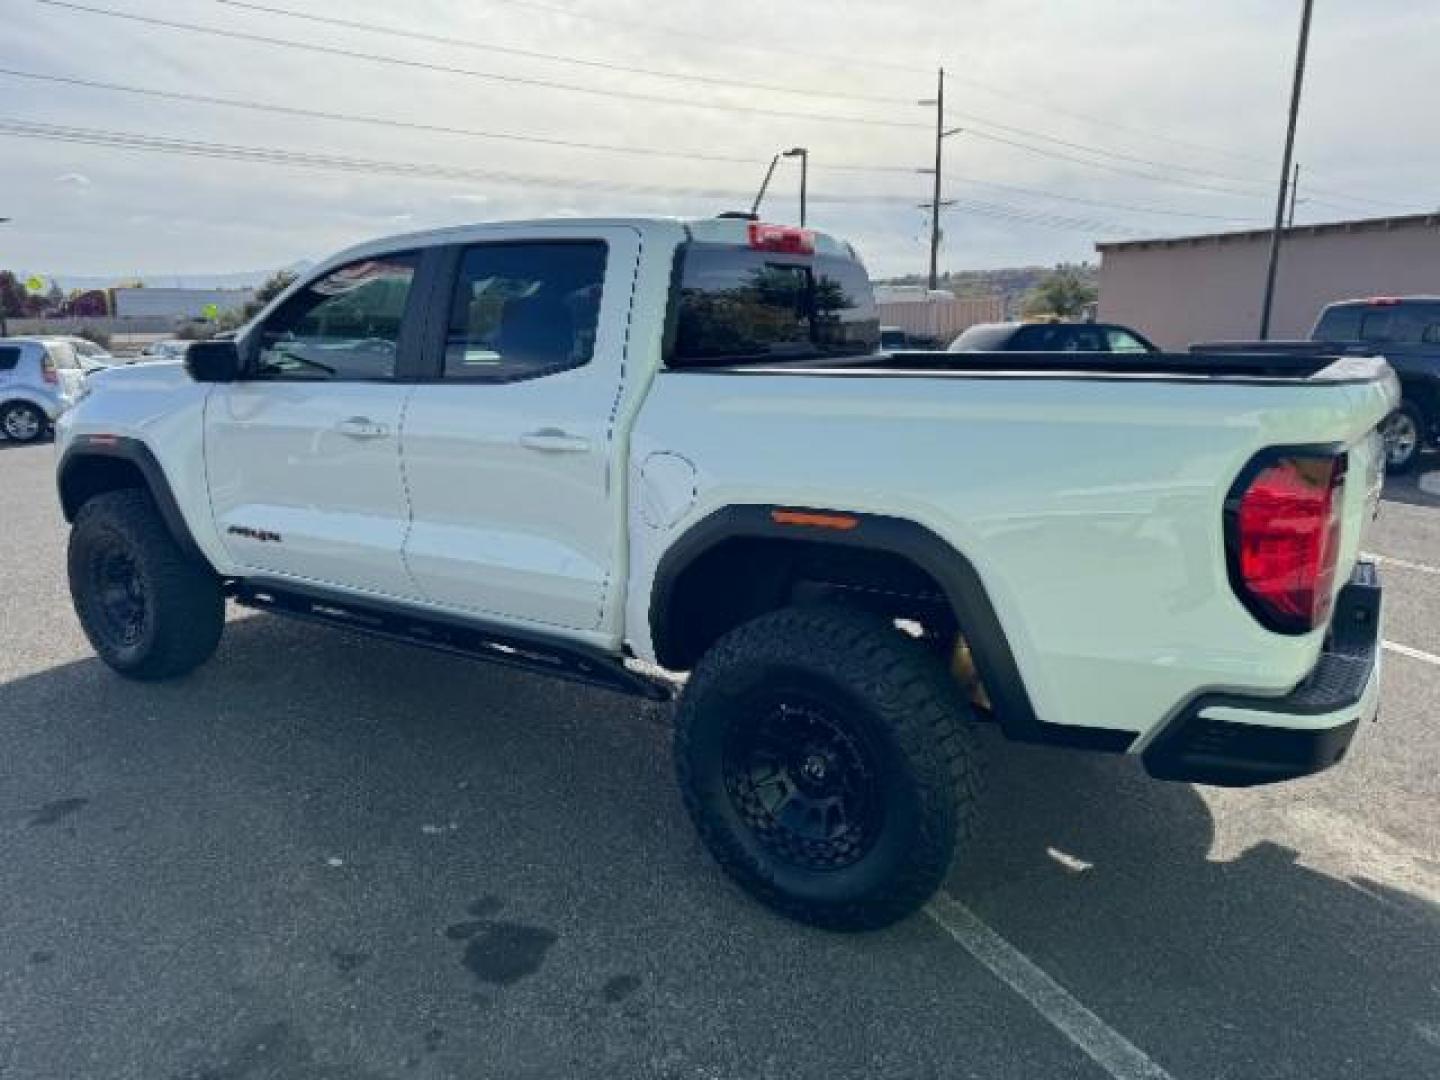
[
  {"x": 35, "y": 283},
  {"x": 211, "y": 311}
]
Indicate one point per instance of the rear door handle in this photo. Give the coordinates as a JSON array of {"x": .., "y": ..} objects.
[
  {"x": 555, "y": 441},
  {"x": 362, "y": 427}
]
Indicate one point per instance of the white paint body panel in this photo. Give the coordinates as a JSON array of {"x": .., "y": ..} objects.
[
  {"x": 1090, "y": 507},
  {"x": 513, "y": 497}
]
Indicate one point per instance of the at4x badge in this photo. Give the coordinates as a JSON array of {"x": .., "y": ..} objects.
[{"x": 265, "y": 536}]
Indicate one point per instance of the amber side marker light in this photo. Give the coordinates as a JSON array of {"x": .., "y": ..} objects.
[{"x": 810, "y": 519}]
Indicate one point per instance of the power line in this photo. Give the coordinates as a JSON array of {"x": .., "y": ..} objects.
[
  {"x": 664, "y": 100},
  {"x": 446, "y": 69},
  {"x": 572, "y": 144},
  {"x": 533, "y": 54},
  {"x": 430, "y": 171}
]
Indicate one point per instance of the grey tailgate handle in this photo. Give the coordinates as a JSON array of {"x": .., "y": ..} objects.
[{"x": 554, "y": 441}]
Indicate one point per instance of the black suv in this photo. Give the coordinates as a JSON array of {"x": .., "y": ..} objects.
[{"x": 1051, "y": 337}]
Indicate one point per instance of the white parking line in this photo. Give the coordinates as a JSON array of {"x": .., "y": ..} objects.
[
  {"x": 1114, "y": 1053},
  {"x": 1414, "y": 654},
  {"x": 1385, "y": 560}
]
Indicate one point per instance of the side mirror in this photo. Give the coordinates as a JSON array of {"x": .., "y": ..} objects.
[{"x": 213, "y": 361}]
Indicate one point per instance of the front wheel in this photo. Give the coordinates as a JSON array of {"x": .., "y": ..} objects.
[
  {"x": 829, "y": 765},
  {"x": 149, "y": 610},
  {"x": 1404, "y": 436}
]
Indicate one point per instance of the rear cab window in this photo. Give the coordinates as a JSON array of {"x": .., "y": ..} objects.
[
  {"x": 739, "y": 305},
  {"x": 9, "y": 357}
]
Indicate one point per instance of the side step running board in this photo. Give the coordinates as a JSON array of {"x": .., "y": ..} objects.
[{"x": 564, "y": 660}]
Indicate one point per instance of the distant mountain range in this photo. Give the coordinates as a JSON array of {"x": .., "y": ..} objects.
[{"x": 242, "y": 279}]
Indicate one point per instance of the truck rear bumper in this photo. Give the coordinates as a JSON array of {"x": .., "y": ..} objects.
[{"x": 1235, "y": 740}]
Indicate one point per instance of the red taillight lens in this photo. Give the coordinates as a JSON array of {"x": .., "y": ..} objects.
[
  {"x": 1284, "y": 540},
  {"x": 785, "y": 239},
  {"x": 47, "y": 370}
]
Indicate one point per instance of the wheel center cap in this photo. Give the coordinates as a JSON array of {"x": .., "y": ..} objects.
[{"x": 815, "y": 767}]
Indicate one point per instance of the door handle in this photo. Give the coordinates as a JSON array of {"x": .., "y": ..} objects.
[
  {"x": 362, "y": 427},
  {"x": 555, "y": 441}
]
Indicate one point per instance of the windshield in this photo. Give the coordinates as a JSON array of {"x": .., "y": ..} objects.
[{"x": 987, "y": 337}]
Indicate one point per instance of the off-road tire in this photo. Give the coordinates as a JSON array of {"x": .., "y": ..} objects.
[
  {"x": 901, "y": 703},
  {"x": 181, "y": 608}
]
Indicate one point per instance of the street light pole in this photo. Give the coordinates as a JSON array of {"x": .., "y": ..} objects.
[
  {"x": 1294, "y": 196},
  {"x": 804, "y": 155},
  {"x": 1285, "y": 170},
  {"x": 755, "y": 206}
]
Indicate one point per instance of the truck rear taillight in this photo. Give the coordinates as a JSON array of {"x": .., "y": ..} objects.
[
  {"x": 47, "y": 370},
  {"x": 1282, "y": 537},
  {"x": 784, "y": 239}
]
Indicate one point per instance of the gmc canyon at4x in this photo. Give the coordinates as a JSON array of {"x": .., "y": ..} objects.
[{"x": 574, "y": 445}]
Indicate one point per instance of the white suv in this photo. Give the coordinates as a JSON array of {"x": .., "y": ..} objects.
[{"x": 39, "y": 379}]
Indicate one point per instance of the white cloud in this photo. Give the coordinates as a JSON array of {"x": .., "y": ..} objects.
[{"x": 1166, "y": 87}]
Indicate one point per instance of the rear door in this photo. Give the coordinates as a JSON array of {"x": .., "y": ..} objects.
[
  {"x": 303, "y": 456},
  {"x": 510, "y": 444}
]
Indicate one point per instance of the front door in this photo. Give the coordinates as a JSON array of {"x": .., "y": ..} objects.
[
  {"x": 510, "y": 449},
  {"x": 303, "y": 455}
]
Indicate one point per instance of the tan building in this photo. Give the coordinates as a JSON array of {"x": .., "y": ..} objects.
[{"x": 1199, "y": 288}]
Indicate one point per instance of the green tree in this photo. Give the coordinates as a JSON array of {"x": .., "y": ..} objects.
[
  {"x": 270, "y": 288},
  {"x": 1065, "y": 291}
]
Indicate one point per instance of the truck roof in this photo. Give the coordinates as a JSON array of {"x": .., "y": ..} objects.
[{"x": 718, "y": 230}]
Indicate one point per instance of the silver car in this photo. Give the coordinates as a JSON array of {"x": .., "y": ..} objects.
[{"x": 39, "y": 378}]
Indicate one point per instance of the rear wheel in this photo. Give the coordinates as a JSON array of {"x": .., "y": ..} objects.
[
  {"x": 829, "y": 766},
  {"x": 149, "y": 610},
  {"x": 22, "y": 422},
  {"x": 1404, "y": 437}
]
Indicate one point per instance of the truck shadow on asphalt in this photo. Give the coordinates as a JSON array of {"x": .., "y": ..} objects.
[
  {"x": 1109, "y": 880},
  {"x": 1419, "y": 488},
  {"x": 309, "y": 796}
]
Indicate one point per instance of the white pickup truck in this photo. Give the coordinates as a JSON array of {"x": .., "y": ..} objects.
[{"x": 576, "y": 446}]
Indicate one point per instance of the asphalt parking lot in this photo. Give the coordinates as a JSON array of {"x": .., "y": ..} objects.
[{"x": 328, "y": 858}]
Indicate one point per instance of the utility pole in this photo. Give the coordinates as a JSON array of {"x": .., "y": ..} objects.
[
  {"x": 1294, "y": 193},
  {"x": 941, "y": 134},
  {"x": 935, "y": 198},
  {"x": 1285, "y": 169}
]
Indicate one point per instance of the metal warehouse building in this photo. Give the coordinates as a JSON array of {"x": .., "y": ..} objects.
[{"x": 1196, "y": 288}]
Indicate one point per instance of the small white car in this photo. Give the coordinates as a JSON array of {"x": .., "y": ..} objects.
[
  {"x": 39, "y": 379},
  {"x": 568, "y": 445}
]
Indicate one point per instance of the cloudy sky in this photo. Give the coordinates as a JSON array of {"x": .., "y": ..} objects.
[{"x": 1083, "y": 120}]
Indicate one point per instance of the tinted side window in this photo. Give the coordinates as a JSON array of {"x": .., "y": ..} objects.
[
  {"x": 1415, "y": 319},
  {"x": 738, "y": 304},
  {"x": 1085, "y": 339},
  {"x": 1122, "y": 341},
  {"x": 1339, "y": 323},
  {"x": 9, "y": 357},
  {"x": 526, "y": 309},
  {"x": 1377, "y": 324},
  {"x": 1431, "y": 334},
  {"x": 346, "y": 325},
  {"x": 1040, "y": 337}
]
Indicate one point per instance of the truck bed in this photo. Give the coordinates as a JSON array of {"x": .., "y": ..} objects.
[{"x": 1209, "y": 367}]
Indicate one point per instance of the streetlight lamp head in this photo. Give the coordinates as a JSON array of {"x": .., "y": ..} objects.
[{"x": 796, "y": 151}]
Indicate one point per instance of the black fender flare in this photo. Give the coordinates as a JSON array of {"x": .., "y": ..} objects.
[
  {"x": 87, "y": 448},
  {"x": 955, "y": 574}
]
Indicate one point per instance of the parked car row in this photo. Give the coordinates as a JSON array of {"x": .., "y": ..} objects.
[
  {"x": 1404, "y": 330},
  {"x": 41, "y": 376}
]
